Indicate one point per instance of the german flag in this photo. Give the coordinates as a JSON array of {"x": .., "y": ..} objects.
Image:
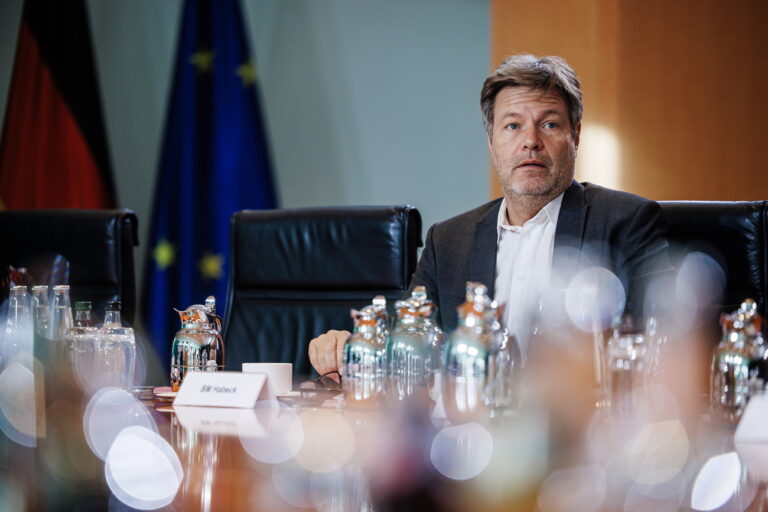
[{"x": 53, "y": 152}]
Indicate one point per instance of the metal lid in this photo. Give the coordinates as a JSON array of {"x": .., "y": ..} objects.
[{"x": 419, "y": 292}]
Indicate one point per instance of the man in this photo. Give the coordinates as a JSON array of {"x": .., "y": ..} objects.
[{"x": 532, "y": 110}]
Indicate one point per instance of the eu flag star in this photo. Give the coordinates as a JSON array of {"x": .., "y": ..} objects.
[
  {"x": 203, "y": 60},
  {"x": 211, "y": 265},
  {"x": 164, "y": 254},
  {"x": 247, "y": 73}
]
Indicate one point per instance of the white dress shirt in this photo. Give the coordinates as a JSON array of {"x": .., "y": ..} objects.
[{"x": 524, "y": 266}]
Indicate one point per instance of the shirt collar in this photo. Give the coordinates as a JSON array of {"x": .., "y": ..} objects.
[{"x": 549, "y": 213}]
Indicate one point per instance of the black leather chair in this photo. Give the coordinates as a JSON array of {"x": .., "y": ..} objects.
[
  {"x": 98, "y": 244},
  {"x": 734, "y": 234},
  {"x": 296, "y": 273}
]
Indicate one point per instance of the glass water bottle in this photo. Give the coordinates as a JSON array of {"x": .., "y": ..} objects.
[
  {"x": 17, "y": 342},
  {"x": 61, "y": 315},
  {"x": 41, "y": 312},
  {"x": 84, "y": 317}
]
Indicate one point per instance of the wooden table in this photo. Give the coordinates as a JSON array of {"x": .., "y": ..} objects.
[{"x": 315, "y": 453}]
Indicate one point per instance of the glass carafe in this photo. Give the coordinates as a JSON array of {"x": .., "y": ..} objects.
[
  {"x": 408, "y": 351},
  {"x": 198, "y": 345},
  {"x": 435, "y": 340},
  {"x": 465, "y": 366},
  {"x": 364, "y": 363},
  {"x": 729, "y": 383},
  {"x": 504, "y": 379}
]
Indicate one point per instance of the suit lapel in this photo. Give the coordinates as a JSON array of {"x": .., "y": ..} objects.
[
  {"x": 482, "y": 261},
  {"x": 571, "y": 222},
  {"x": 569, "y": 236}
]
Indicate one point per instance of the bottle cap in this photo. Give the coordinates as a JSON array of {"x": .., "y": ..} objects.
[
  {"x": 419, "y": 293},
  {"x": 366, "y": 316},
  {"x": 83, "y": 305},
  {"x": 476, "y": 292},
  {"x": 113, "y": 305}
]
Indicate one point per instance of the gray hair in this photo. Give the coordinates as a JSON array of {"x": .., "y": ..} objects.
[{"x": 545, "y": 74}]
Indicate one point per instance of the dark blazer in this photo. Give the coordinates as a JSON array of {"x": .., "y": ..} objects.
[{"x": 596, "y": 226}]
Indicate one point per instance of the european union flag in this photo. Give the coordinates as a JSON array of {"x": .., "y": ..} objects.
[{"x": 214, "y": 162}]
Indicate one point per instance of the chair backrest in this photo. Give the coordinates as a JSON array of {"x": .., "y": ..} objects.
[
  {"x": 296, "y": 274},
  {"x": 731, "y": 232},
  {"x": 98, "y": 244}
]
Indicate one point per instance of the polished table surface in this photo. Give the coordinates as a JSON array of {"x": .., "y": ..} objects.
[{"x": 317, "y": 451}]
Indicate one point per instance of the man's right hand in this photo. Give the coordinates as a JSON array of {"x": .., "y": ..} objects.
[{"x": 326, "y": 352}]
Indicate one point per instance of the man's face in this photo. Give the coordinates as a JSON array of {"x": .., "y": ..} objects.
[{"x": 533, "y": 147}]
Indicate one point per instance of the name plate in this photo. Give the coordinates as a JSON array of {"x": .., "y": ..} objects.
[
  {"x": 751, "y": 427},
  {"x": 751, "y": 438},
  {"x": 224, "y": 389}
]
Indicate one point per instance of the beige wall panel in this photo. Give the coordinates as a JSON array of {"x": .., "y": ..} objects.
[{"x": 679, "y": 86}]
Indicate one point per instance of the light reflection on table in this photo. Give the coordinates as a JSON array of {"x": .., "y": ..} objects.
[{"x": 111, "y": 450}]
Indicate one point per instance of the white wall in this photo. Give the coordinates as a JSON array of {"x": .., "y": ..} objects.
[{"x": 367, "y": 102}]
